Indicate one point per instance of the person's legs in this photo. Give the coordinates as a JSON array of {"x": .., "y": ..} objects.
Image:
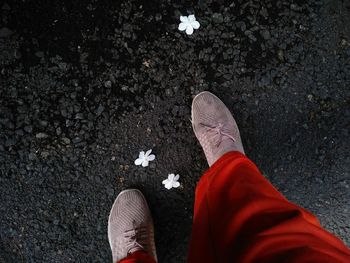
[
  {"x": 130, "y": 229},
  {"x": 238, "y": 215}
]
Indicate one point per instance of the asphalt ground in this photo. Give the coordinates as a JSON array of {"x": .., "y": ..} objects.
[{"x": 86, "y": 85}]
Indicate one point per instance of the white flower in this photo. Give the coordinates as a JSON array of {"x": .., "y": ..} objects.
[
  {"x": 172, "y": 181},
  {"x": 145, "y": 158},
  {"x": 188, "y": 23}
]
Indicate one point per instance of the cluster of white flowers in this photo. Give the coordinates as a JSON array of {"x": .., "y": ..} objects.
[
  {"x": 146, "y": 157},
  {"x": 187, "y": 24}
]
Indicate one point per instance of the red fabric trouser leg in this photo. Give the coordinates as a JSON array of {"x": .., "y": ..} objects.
[
  {"x": 138, "y": 257},
  {"x": 240, "y": 217}
]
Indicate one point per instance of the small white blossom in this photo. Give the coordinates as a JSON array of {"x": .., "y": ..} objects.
[
  {"x": 172, "y": 181},
  {"x": 188, "y": 23},
  {"x": 145, "y": 158}
]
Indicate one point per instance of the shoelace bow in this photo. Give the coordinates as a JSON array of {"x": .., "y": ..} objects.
[
  {"x": 218, "y": 131},
  {"x": 134, "y": 237}
]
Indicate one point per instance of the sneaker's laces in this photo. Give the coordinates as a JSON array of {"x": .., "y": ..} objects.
[
  {"x": 218, "y": 131},
  {"x": 134, "y": 238}
]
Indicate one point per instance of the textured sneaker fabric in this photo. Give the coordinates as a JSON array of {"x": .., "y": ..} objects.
[
  {"x": 209, "y": 111},
  {"x": 130, "y": 210}
]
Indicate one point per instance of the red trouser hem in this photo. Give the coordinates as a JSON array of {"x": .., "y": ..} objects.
[
  {"x": 138, "y": 257},
  {"x": 240, "y": 217}
]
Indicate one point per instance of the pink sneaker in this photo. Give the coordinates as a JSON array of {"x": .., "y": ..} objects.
[
  {"x": 130, "y": 226},
  {"x": 214, "y": 127}
]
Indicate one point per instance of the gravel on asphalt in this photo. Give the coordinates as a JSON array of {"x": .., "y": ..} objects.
[{"x": 86, "y": 85}]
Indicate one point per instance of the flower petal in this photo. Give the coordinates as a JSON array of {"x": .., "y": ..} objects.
[
  {"x": 171, "y": 177},
  {"x": 176, "y": 184},
  {"x": 176, "y": 177},
  {"x": 169, "y": 185},
  {"x": 151, "y": 157},
  {"x": 189, "y": 30},
  {"x": 195, "y": 24},
  {"x": 183, "y": 19},
  {"x": 148, "y": 152},
  {"x": 182, "y": 26},
  {"x": 145, "y": 163},
  {"x": 141, "y": 154},
  {"x": 138, "y": 161},
  {"x": 165, "y": 181},
  {"x": 191, "y": 18}
]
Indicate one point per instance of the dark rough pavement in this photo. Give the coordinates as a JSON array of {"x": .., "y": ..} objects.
[{"x": 86, "y": 85}]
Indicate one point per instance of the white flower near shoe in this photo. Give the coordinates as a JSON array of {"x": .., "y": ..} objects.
[
  {"x": 172, "y": 181},
  {"x": 188, "y": 23},
  {"x": 145, "y": 158}
]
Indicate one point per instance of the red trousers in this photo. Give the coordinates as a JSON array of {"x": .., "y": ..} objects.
[{"x": 240, "y": 217}]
